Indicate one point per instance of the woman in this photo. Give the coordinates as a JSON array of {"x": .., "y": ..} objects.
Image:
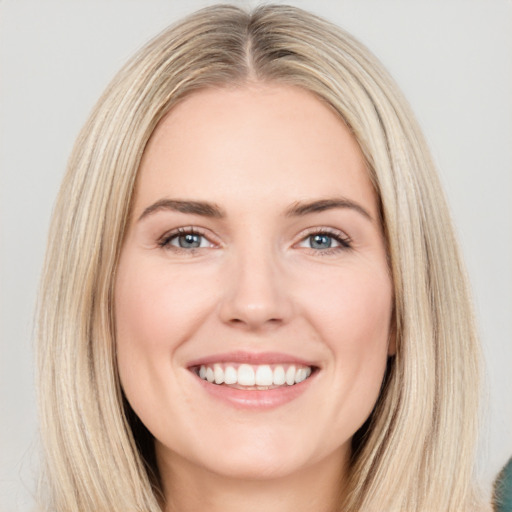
[{"x": 272, "y": 312}]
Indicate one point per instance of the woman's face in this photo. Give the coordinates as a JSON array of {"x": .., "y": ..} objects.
[{"x": 254, "y": 257}]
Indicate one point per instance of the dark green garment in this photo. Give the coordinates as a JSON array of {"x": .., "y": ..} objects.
[{"x": 503, "y": 489}]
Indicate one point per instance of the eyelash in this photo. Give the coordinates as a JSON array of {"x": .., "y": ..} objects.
[
  {"x": 344, "y": 241},
  {"x": 165, "y": 241}
]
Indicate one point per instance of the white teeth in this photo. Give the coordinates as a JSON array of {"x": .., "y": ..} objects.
[
  {"x": 300, "y": 375},
  {"x": 246, "y": 375},
  {"x": 264, "y": 376},
  {"x": 290, "y": 375},
  {"x": 218, "y": 372},
  {"x": 230, "y": 375},
  {"x": 279, "y": 376},
  {"x": 261, "y": 376}
]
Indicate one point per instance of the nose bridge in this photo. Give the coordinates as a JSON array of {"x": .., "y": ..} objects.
[{"x": 255, "y": 293}]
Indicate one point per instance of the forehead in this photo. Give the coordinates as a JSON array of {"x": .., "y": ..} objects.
[{"x": 260, "y": 142}]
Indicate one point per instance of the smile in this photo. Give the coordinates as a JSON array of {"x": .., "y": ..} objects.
[
  {"x": 255, "y": 377},
  {"x": 254, "y": 381}
]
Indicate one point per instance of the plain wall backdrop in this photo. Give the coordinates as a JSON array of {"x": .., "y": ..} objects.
[{"x": 453, "y": 60}]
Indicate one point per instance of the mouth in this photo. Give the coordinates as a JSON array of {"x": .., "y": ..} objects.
[
  {"x": 253, "y": 377},
  {"x": 254, "y": 381}
]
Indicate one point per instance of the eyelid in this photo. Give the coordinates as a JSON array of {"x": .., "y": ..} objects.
[
  {"x": 343, "y": 239},
  {"x": 164, "y": 240}
]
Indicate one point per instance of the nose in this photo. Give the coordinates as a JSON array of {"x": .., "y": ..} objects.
[{"x": 256, "y": 294}]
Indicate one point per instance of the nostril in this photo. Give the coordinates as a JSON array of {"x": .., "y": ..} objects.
[{"x": 255, "y": 322}]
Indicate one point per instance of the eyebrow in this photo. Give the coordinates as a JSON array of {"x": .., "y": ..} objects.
[
  {"x": 202, "y": 208},
  {"x": 304, "y": 208},
  {"x": 207, "y": 209}
]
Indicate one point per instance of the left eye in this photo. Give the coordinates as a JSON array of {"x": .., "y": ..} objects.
[{"x": 323, "y": 241}]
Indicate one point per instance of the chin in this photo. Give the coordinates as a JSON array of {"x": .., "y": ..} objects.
[
  {"x": 266, "y": 466},
  {"x": 246, "y": 454}
]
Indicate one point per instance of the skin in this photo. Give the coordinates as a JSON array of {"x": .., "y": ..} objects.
[{"x": 257, "y": 284}]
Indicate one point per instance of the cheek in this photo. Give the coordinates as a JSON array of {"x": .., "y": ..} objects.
[
  {"x": 352, "y": 313},
  {"x": 352, "y": 307},
  {"x": 156, "y": 312},
  {"x": 157, "y": 309}
]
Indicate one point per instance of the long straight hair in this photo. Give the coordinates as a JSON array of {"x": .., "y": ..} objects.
[{"x": 417, "y": 450}]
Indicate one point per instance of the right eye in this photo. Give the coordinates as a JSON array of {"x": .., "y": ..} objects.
[{"x": 185, "y": 239}]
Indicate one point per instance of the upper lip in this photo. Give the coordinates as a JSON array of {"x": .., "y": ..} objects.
[{"x": 255, "y": 358}]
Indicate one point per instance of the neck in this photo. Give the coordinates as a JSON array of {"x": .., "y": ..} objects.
[{"x": 188, "y": 488}]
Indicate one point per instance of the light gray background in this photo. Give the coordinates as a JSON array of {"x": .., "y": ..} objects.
[{"x": 452, "y": 58}]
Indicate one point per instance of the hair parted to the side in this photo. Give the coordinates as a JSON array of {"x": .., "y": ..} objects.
[{"x": 417, "y": 450}]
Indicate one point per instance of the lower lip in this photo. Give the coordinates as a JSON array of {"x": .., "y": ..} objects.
[{"x": 256, "y": 399}]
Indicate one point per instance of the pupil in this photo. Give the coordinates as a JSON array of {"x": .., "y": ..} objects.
[
  {"x": 321, "y": 242},
  {"x": 190, "y": 240}
]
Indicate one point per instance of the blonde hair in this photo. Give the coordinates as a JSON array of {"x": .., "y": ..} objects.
[{"x": 416, "y": 452}]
